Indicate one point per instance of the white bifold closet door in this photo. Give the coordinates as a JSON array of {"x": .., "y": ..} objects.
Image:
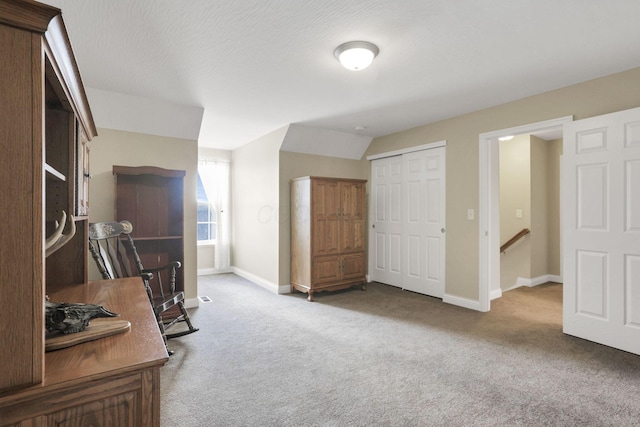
[{"x": 407, "y": 236}]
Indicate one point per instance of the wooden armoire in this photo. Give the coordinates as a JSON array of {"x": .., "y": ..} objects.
[
  {"x": 328, "y": 240},
  {"x": 45, "y": 128}
]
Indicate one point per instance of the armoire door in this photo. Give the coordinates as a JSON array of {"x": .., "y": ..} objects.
[
  {"x": 407, "y": 240},
  {"x": 353, "y": 216},
  {"x": 326, "y": 217},
  {"x": 600, "y": 187}
]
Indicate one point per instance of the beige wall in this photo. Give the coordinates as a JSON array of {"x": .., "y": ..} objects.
[
  {"x": 255, "y": 209},
  {"x": 515, "y": 194},
  {"x": 605, "y": 95},
  {"x": 294, "y": 165},
  {"x": 260, "y": 197},
  {"x": 113, "y": 147},
  {"x": 540, "y": 212}
]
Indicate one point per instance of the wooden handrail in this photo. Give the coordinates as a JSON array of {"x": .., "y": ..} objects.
[{"x": 514, "y": 239}]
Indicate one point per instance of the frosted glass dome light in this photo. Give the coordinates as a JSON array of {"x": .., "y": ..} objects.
[{"x": 356, "y": 55}]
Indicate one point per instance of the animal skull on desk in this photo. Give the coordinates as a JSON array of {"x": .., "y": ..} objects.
[
  {"x": 59, "y": 238},
  {"x": 69, "y": 318}
]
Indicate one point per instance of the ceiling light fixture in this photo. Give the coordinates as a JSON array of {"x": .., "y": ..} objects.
[{"x": 356, "y": 55}]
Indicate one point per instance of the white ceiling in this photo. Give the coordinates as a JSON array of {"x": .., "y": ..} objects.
[{"x": 258, "y": 65}]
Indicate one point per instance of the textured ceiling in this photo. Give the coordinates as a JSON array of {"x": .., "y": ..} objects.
[{"x": 258, "y": 65}]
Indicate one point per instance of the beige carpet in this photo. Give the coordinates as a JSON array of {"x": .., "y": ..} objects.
[{"x": 387, "y": 357}]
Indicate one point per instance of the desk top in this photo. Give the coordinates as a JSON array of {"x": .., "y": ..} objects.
[{"x": 139, "y": 348}]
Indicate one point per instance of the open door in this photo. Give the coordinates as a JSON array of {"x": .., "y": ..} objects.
[{"x": 600, "y": 192}]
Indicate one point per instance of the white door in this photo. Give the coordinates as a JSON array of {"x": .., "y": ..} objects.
[
  {"x": 386, "y": 220},
  {"x": 601, "y": 229},
  {"x": 407, "y": 240},
  {"x": 423, "y": 232}
]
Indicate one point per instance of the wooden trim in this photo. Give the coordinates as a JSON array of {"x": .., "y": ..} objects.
[
  {"x": 30, "y": 16},
  {"x": 58, "y": 49},
  {"x": 37, "y": 134},
  {"x": 148, "y": 170}
]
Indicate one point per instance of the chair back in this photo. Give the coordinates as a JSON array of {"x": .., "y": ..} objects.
[
  {"x": 113, "y": 250},
  {"x": 107, "y": 242}
]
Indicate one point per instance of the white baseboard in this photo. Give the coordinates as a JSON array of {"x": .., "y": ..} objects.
[
  {"x": 511, "y": 288},
  {"x": 530, "y": 283},
  {"x": 191, "y": 303},
  {"x": 209, "y": 271},
  {"x": 461, "y": 302},
  {"x": 495, "y": 293},
  {"x": 537, "y": 280},
  {"x": 273, "y": 287}
]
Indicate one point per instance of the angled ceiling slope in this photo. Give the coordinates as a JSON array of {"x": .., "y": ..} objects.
[
  {"x": 150, "y": 116},
  {"x": 324, "y": 142}
]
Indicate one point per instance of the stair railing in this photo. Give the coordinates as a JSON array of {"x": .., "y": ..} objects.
[{"x": 514, "y": 239}]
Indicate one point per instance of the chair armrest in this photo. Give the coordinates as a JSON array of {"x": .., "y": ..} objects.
[{"x": 171, "y": 268}]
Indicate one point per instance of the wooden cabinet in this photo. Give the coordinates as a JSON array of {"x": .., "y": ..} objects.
[
  {"x": 113, "y": 381},
  {"x": 151, "y": 198},
  {"x": 43, "y": 110},
  {"x": 328, "y": 223}
]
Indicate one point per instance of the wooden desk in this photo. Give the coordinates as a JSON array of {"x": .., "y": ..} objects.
[{"x": 113, "y": 381}]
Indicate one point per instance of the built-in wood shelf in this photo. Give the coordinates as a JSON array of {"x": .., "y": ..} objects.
[{"x": 53, "y": 173}]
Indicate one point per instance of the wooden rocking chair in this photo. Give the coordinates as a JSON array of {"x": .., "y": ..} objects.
[{"x": 113, "y": 250}]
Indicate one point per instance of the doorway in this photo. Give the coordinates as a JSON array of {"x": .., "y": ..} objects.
[
  {"x": 529, "y": 210},
  {"x": 489, "y": 204}
]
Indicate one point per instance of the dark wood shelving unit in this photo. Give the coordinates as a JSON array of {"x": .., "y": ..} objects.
[{"x": 152, "y": 199}]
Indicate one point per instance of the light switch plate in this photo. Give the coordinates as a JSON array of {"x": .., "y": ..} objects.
[
  {"x": 518, "y": 213},
  {"x": 470, "y": 214}
]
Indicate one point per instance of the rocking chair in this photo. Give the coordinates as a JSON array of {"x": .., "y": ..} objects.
[{"x": 112, "y": 248}]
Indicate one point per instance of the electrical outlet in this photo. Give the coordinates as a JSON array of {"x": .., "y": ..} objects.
[{"x": 518, "y": 213}]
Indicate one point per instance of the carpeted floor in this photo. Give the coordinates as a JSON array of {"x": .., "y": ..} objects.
[{"x": 387, "y": 357}]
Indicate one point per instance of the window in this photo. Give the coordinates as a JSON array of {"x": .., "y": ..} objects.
[
  {"x": 213, "y": 209},
  {"x": 206, "y": 216}
]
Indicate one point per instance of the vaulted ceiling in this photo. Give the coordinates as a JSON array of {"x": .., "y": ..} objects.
[{"x": 254, "y": 66}]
